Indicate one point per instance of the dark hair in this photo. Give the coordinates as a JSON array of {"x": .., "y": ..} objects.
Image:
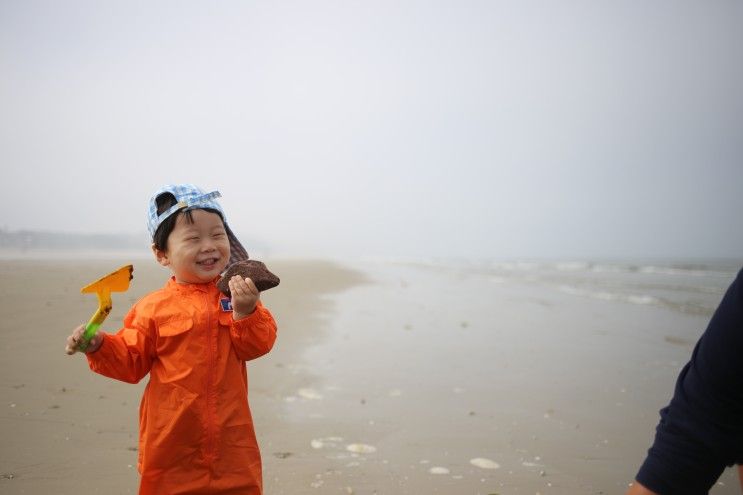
[{"x": 165, "y": 201}]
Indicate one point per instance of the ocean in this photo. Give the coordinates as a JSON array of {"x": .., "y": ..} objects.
[{"x": 688, "y": 287}]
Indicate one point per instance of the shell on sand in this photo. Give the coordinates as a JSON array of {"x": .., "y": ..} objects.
[
  {"x": 308, "y": 393},
  {"x": 361, "y": 448},
  {"x": 319, "y": 443},
  {"x": 438, "y": 470},
  {"x": 483, "y": 463}
]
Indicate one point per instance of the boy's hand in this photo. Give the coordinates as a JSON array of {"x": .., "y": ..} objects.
[
  {"x": 245, "y": 296},
  {"x": 74, "y": 340}
]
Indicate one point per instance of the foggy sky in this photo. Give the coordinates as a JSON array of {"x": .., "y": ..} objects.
[{"x": 388, "y": 128}]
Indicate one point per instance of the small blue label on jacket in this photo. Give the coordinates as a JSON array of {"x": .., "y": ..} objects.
[{"x": 226, "y": 304}]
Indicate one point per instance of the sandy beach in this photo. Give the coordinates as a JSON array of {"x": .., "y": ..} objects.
[{"x": 387, "y": 378}]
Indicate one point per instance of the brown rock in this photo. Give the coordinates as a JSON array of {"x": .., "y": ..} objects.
[{"x": 256, "y": 270}]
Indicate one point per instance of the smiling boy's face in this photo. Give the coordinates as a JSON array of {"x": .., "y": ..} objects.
[{"x": 196, "y": 252}]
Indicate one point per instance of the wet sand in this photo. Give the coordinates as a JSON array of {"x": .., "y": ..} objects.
[{"x": 386, "y": 378}]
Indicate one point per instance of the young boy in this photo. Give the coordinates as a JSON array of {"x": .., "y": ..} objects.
[{"x": 196, "y": 431}]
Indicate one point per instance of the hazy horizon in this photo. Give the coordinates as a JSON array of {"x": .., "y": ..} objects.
[
  {"x": 73, "y": 246},
  {"x": 415, "y": 129}
]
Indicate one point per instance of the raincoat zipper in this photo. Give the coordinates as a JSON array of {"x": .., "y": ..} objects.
[{"x": 210, "y": 417}]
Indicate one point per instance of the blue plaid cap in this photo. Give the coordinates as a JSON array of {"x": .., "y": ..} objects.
[{"x": 190, "y": 197}]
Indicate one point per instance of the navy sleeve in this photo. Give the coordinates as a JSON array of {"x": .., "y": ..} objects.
[{"x": 701, "y": 430}]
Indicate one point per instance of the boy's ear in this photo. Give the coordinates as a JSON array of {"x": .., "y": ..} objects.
[{"x": 160, "y": 256}]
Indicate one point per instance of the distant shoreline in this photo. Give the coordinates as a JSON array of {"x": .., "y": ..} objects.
[
  {"x": 72, "y": 254},
  {"x": 36, "y": 244}
]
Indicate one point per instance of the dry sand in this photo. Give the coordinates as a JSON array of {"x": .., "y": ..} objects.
[
  {"x": 67, "y": 430},
  {"x": 385, "y": 379}
]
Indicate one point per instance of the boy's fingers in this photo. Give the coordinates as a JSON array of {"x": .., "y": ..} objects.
[
  {"x": 251, "y": 286},
  {"x": 74, "y": 340},
  {"x": 242, "y": 284}
]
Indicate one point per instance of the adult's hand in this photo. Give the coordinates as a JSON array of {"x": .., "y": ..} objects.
[{"x": 638, "y": 489}]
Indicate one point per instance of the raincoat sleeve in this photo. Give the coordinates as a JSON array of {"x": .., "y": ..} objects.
[
  {"x": 254, "y": 335},
  {"x": 701, "y": 430},
  {"x": 126, "y": 355}
]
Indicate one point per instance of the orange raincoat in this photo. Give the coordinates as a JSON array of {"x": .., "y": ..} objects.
[{"x": 195, "y": 429}]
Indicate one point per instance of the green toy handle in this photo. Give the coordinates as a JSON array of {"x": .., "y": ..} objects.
[{"x": 90, "y": 331}]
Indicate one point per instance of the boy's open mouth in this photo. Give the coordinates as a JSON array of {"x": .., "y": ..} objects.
[{"x": 208, "y": 262}]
